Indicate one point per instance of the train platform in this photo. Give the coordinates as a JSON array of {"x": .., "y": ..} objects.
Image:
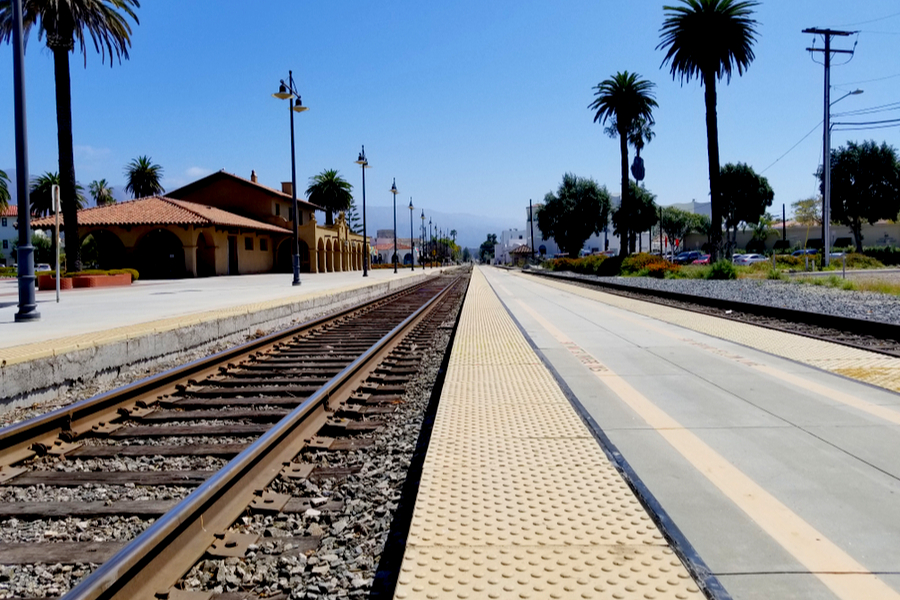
[
  {"x": 517, "y": 499},
  {"x": 592, "y": 446},
  {"x": 95, "y": 329}
]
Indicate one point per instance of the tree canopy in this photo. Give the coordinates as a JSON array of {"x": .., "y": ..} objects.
[
  {"x": 579, "y": 208},
  {"x": 708, "y": 40},
  {"x": 626, "y": 102},
  {"x": 41, "y": 194},
  {"x": 865, "y": 185},
  {"x": 642, "y": 213},
  {"x": 4, "y": 191},
  {"x": 486, "y": 250},
  {"x": 330, "y": 191},
  {"x": 808, "y": 211},
  {"x": 675, "y": 224},
  {"x": 104, "y": 23},
  {"x": 143, "y": 178},
  {"x": 101, "y": 192},
  {"x": 745, "y": 196}
]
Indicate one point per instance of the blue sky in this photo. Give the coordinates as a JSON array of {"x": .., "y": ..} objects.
[{"x": 475, "y": 107}]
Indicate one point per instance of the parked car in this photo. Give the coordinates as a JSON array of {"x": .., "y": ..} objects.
[
  {"x": 748, "y": 259},
  {"x": 686, "y": 258},
  {"x": 807, "y": 251},
  {"x": 703, "y": 260},
  {"x": 42, "y": 267}
]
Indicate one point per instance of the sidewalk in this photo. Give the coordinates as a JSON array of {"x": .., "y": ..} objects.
[{"x": 189, "y": 311}]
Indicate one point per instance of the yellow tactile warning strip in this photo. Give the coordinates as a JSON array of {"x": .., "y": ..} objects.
[
  {"x": 517, "y": 499},
  {"x": 868, "y": 367},
  {"x": 60, "y": 346}
]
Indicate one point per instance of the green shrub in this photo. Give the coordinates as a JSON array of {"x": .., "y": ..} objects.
[
  {"x": 660, "y": 269},
  {"x": 888, "y": 255},
  {"x": 858, "y": 261},
  {"x": 788, "y": 261},
  {"x": 133, "y": 272},
  {"x": 589, "y": 265},
  {"x": 722, "y": 269},
  {"x": 610, "y": 267},
  {"x": 636, "y": 263}
]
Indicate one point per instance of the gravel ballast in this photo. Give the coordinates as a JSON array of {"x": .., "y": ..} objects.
[{"x": 776, "y": 293}]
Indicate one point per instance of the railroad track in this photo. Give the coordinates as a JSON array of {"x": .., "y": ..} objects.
[
  {"x": 873, "y": 336},
  {"x": 196, "y": 464}
]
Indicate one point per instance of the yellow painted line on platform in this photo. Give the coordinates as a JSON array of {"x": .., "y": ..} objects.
[{"x": 839, "y": 571}]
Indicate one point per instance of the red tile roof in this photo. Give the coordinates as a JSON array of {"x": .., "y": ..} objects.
[
  {"x": 204, "y": 181},
  {"x": 159, "y": 210},
  {"x": 11, "y": 211}
]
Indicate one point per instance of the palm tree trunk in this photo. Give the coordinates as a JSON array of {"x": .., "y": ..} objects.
[
  {"x": 66, "y": 157},
  {"x": 712, "y": 150},
  {"x": 625, "y": 206}
]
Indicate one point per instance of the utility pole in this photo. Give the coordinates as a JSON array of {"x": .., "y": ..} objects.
[
  {"x": 531, "y": 222},
  {"x": 826, "y": 158}
]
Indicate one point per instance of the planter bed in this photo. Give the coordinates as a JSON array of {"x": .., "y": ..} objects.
[{"x": 48, "y": 282}]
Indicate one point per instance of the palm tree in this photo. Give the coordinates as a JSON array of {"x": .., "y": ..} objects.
[
  {"x": 624, "y": 100},
  {"x": 330, "y": 191},
  {"x": 41, "y": 195},
  {"x": 143, "y": 178},
  {"x": 708, "y": 39},
  {"x": 4, "y": 191},
  {"x": 101, "y": 192},
  {"x": 64, "y": 22}
]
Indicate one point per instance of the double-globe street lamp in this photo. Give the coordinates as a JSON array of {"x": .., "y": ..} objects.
[
  {"x": 287, "y": 91},
  {"x": 422, "y": 241},
  {"x": 363, "y": 162},
  {"x": 412, "y": 244},
  {"x": 395, "y": 192}
]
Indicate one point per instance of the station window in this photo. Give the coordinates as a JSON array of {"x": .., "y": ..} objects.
[
  {"x": 277, "y": 210},
  {"x": 248, "y": 243},
  {"x": 5, "y": 243},
  {"x": 4, "y": 222},
  {"x": 264, "y": 244}
]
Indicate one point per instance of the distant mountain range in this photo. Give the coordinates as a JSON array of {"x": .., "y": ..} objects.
[{"x": 471, "y": 230}]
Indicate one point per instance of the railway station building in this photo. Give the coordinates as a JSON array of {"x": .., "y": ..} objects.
[{"x": 221, "y": 224}]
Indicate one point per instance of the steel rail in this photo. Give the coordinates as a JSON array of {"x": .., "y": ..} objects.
[
  {"x": 157, "y": 558},
  {"x": 16, "y": 439},
  {"x": 875, "y": 329}
]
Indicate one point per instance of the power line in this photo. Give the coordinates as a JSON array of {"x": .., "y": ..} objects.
[
  {"x": 811, "y": 131},
  {"x": 871, "y": 80},
  {"x": 890, "y": 16}
]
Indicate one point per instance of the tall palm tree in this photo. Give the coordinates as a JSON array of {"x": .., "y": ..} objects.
[
  {"x": 64, "y": 22},
  {"x": 101, "y": 192},
  {"x": 143, "y": 178},
  {"x": 708, "y": 39},
  {"x": 624, "y": 100},
  {"x": 4, "y": 191},
  {"x": 330, "y": 191},
  {"x": 41, "y": 195}
]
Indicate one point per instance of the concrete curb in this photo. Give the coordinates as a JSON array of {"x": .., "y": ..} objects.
[{"x": 49, "y": 376}]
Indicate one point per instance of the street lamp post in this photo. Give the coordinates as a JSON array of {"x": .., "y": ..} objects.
[
  {"x": 430, "y": 244},
  {"x": 287, "y": 91},
  {"x": 826, "y": 171},
  {"x": 422, "y": 243},
  {"x": 412, "y": 245},
  {"x": 363, "y": 162},
  {"x": 394, "y": 192},
  {"x": 25, "y": 254}
]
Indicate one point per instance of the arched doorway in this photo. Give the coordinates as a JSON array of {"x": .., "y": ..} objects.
[
  {"x": 159, "y": 255},
  {"x": 321, "y": 257},
  {"x": 284, "y": 258},
  {"x": 407, "y": 258},
  {"x": 304, "y": 257},
  {"x": 206, "y": 256},
  {"x": 104, "y": 250},
  {"x": 329, "y": 258}
]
